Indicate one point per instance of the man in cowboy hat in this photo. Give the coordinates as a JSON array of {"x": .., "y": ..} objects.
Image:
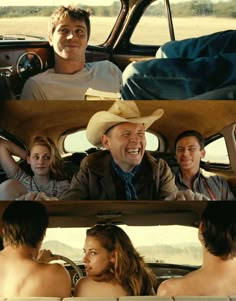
[{"x": 124, "y": 170}]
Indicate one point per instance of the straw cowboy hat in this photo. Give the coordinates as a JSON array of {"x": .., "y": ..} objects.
[{"x": 121, "y": 111}]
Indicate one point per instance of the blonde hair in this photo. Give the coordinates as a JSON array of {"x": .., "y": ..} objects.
[
  {"x": 129, "y": 270},
  {"x": 56, "y": 167}
]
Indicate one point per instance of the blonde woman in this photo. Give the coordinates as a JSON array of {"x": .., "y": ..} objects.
[{"x": 45, "y": 173}]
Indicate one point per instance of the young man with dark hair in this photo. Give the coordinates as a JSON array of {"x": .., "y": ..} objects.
[
  {"x": 189, "y": 147},
  {"x": 72, "y": 78},
  {"x": 216, "y": 276},
  {"x": 24, "y": 225}
]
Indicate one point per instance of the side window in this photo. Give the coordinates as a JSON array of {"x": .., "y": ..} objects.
[
  {"x": 216, "y": 152},
  {"x": 152, "y": 28},
  {"x": 201, "y": 17},
  {"x": 102, "y": 19},
  {"x": 77, "y": 142},
  {"x": 190, "y": 19}
]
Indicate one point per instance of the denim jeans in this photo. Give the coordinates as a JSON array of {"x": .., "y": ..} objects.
[{"x": 184, "y": 69}]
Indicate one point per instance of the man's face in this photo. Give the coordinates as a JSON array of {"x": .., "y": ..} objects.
[
  {"x": 127, "y": 143},
  {"x": 70, "y": 39},
  {"x": 188, "y": 153}
]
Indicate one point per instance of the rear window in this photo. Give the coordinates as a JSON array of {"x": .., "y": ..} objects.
[
  {"x": 77, "y": 142},
  {"x": 216, "y": 152}
]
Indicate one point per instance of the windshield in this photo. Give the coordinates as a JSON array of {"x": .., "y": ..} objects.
[
  {"x": 165, "y": 244},
  {"x": 27, "y": 20}
]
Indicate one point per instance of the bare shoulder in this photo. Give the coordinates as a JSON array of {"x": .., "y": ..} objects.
[
  {"x": 87, "y": 287},
  {"x": 167, "y": 287},
  {"x": 56, "y": 272},
  {"x": 82, "y": 285},
  {"x": 83, "y": 281},
  {"x": 175, "y": 286},
  {"x": 56, "y": 267},
  {"x": 179, "y": 286}
]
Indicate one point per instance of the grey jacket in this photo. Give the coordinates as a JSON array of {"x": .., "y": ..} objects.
[{"x": 213, "y": 186}]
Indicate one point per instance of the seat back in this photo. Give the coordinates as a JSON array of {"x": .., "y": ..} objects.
[
  {"x": 127, "y": 298},
  {"x": 34, "y": 299},
  {"x": 6, "y": 92},
  {"x": 218, "y": 94},
  {"x": 91, "y": 299},
  {"x": 146, "y": 298},
  {"x": 202, "y": 298}
]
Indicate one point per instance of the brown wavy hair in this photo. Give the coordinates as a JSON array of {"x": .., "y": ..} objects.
[{"x": 129, "y": 270}]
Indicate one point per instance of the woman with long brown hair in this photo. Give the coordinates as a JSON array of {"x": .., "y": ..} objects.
[{"x": 114, "y": 267}]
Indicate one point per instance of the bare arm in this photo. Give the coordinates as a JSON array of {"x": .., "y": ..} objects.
[
  {"x": 79, "y": 287},
  {"x": 163, "y": 289},
  {"x": 49, "y": 280},
  {"x": 46, "y": 256},
  {"x": 62, "y": 283},
  {"x": 7, "y": 150}
]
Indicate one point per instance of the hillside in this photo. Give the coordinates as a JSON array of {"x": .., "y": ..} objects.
[{"x": 180, "y": 253}]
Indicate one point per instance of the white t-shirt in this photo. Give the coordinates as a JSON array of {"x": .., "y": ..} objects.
[{"x": 102, "y": 78}]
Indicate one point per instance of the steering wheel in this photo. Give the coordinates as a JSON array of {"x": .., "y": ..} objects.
[{"x": 79, "y": 272}]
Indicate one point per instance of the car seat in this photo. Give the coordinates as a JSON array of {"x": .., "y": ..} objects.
[{"x": 6, "y": 92}]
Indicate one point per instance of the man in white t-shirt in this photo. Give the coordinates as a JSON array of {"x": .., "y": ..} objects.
[{"x": 72, "y": 78}]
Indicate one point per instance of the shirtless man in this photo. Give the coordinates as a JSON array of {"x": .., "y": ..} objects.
[
  {"x": 217, "y": 234},
  {"x": 24, "y": 224}
]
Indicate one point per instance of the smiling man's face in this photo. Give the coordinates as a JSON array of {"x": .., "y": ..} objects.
[
  {"x": 127, "y": 143},
  {"x": 69, "y": 39},
  {"x": 189, "y": 153}
]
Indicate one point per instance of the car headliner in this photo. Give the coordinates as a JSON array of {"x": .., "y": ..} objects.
[
  {"x": 133, "y": 213},
  {"x": 56, "y": 118}
]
